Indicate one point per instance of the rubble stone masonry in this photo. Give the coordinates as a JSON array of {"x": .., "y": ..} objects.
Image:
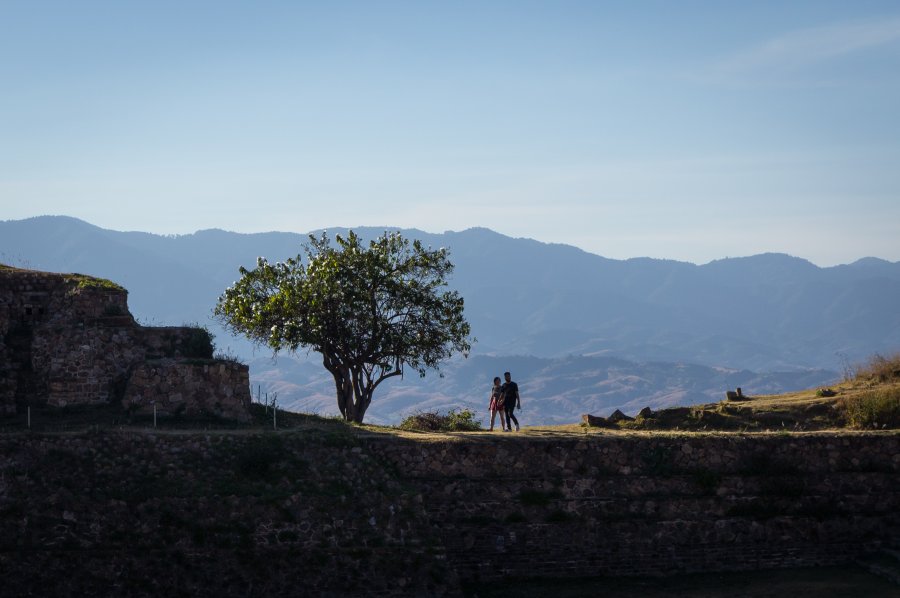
[
  {"x": 331, "y": 512},
  {"x": 69, "y": 339}
]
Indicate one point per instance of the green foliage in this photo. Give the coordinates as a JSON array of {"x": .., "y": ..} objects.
[
  {"x": 199, "y": 343},
  {"x": 873, "y": 409},
  {"x": 82, "y": 281},
  {"x": 454, "y": 421},
  {"x": 371, "y": 311},
  {"x": 463, "y": 420}
]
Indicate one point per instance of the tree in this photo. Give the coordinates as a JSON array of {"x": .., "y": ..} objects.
[{"x": 371, "y": 311}]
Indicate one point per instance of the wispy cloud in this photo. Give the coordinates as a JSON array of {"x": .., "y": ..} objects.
[{"x": 781, "y": 58}]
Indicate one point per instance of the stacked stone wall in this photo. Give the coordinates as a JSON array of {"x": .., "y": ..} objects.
[
  {"x": 194, "y": 388},
  {"x": 325, "y": 512},
  {"x": 626, "y": 505},
  {"x": 69, "y": 340}
]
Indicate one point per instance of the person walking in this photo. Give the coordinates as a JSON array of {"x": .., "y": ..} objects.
[
  {"x": 510, "y": 396},
  {"x": 496, "y": 403}
]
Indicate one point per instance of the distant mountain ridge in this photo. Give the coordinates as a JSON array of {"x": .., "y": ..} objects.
[{"x": 769, "y": 312}]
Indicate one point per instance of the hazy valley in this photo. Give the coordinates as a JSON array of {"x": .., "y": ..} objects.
[{"x": 581, "y": 333}]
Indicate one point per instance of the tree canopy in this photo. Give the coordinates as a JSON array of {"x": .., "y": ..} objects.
[{"x": 371, "y": 310}]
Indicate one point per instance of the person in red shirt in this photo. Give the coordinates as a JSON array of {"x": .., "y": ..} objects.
[{"x": 496, "y": 404}]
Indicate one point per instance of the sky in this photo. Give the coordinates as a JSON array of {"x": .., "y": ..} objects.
[{"x": 681, "y": 130}]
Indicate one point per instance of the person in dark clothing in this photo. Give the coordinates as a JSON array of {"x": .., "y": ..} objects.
[{"x": 510, "y": 393}]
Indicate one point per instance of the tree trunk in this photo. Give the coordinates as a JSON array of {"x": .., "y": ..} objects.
[
  {"x": 344, "y": 389},
  {"x": 353, "y": 407}
]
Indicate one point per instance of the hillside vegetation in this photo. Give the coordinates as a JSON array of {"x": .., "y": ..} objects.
[{"x": 867, "y": 398}]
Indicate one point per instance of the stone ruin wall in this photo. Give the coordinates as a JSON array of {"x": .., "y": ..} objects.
[
  {"x": 70, "y": 340},
  {"x": 323, "y": 513},
  {"x": 657, "y": 504},
  {"x": 175, "y": 388}
]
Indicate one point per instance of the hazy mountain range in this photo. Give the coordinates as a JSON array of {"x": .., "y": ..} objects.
[{"x": 580, "y": 332}]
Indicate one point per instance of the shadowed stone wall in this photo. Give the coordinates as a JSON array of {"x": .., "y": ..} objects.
[
  {"x": 193, "y": 387},
  {"x": 321, "y": 512},
  {"x": 642, "y": 504},
  {"x": 68, "y": 339}
]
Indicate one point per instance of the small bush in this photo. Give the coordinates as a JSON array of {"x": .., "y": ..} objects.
[
  {"x": 463, "y": 420},
  {"x": 874, "y": 409},
  {"x": 880, "y": 368},
  {"x": 454, "y": 421},
  {"x": 199, "y": 343}
]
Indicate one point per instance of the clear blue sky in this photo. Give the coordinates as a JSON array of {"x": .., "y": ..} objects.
[{"x": 683, "y": 130}]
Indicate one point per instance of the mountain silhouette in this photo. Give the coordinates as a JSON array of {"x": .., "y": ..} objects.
[{"x": 550, "y": 302}]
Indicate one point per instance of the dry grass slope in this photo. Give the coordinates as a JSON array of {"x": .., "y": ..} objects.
[{"x": 868, "y": 398}]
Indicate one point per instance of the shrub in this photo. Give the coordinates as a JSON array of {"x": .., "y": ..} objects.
[
  {"x": 199, "y": 343},
  {"x": 873, "y": 409},
  {"x": 880, "y": 368},
  {"x": 463, "y": 420},
  {"x": 454, "y": 421}
]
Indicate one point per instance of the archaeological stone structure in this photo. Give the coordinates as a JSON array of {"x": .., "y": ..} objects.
[
  {"x": 69, "y": 339},
  {"x": 367, "y": 513}
]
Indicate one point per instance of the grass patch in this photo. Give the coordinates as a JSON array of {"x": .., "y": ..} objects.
[
  {"x": 879, "y": 408},
  {"x": 82, "y": 281}
]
